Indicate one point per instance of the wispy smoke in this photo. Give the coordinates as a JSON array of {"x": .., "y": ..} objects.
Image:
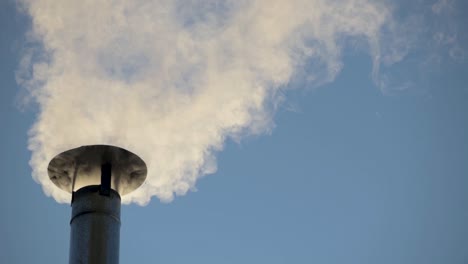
[{"x": 172, "y": 80}]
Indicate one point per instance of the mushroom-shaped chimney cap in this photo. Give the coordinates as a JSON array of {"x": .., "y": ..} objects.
[{"x": 80, "y": 167}]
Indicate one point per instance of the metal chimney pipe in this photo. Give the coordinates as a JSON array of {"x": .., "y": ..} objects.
[
  {"x": 99, "y": 174},
  {"x": 95, "y": 226}
]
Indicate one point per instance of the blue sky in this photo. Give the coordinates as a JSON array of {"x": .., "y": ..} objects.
[{"x": 349, "y": 174}]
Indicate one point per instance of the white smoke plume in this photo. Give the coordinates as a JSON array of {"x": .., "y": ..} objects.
[{"x": 171, "y": 80}]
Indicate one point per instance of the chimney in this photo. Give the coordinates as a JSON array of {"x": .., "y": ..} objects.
[{"x": 96, "y": 176}]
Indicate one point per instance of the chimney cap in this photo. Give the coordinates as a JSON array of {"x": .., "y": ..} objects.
[{"x": 80, "y": 167}]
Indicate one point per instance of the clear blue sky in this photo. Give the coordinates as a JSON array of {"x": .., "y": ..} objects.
[{"x": 353, "y": 176}]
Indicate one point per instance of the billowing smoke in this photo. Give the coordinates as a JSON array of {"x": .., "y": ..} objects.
[{"x": 171, "y": 80}]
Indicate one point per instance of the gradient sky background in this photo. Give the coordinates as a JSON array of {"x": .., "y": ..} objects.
[{"x": 350, "y": 174}]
